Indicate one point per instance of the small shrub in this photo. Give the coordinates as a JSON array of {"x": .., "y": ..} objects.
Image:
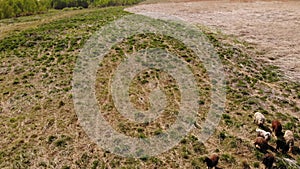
[
  {"x": 280, "y": 164},
  {"x": 155, "y": 160},
  {"x": 258, "y": 155},
  {"x": 228, "y": 122},
  {"x": 196, "y": 163},
  {"x": 199, "y": 148},
  {"x": 289, "y": 126},
  {"x": 144, "y": 158},
  {"x": 140, "y": 130},
  {"x": 95, "y": 164},
  {"x": 185, "y": 152},
  {"x": 12, "y": 120},
  {"x": 201, "y": 102},
  {"x": 183, "y": 141},
  {"x": 256, "y": 164},
  {"x": 222, "y": 135},
  {"x": 51, "y": 139},
  {"x": 65, "y": 167},
  {"x": 61, "y": 104},
  {"x": 16, "y": 81},
  {"x": 245, "y": 165},
  {"x": 60, "y": 143},
  {"x": 42, "y": 164},
  {"x": 228, "y": 158},
  {"x": 281, "y": 116},
  {"x": 158, "y": 132},
  {"x": 225, "y": 116},
  {"x": 298, "y": 161},
  {"x": 142, "y": 135},
  {"x": 233, "y": 144}
]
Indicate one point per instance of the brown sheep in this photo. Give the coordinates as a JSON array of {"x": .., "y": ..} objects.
[
  {"x": 261, "y": 143},
  {"x": 277, "y": 128},
  {"x": 268, "y": 160},
  {"x": 212, "y": 162}
]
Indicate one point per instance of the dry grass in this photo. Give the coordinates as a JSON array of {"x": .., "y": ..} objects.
[
  {"x": 39, "y": 127},
  {"x": 271, "y": 25},
  {"x": 10, "y": 26}
]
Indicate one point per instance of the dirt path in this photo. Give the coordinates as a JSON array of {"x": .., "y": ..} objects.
[{"x": 274, "y": 25}]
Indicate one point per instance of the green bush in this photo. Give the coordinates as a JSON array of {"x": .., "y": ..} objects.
[
  {"x": 61, "y": 4},
  {"x": 256, "y": 164},
  {"x": 103, "y": 3},
  {"x": 228, "y": 158},
  {"x": 15, "y": 8}
]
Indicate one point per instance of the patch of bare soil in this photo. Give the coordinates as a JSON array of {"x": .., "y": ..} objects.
[{"x": 273, "y": 25}]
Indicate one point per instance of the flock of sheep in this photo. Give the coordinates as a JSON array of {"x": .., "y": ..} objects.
[{"x": 284, "y": 142}]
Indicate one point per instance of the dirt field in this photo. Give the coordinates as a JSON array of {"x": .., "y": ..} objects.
[{"x": 273, "y": 25}]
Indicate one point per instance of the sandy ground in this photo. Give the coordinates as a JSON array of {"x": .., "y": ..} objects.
[{"x": 273, "y": 25}]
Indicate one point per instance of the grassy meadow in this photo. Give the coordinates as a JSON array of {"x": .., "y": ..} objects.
[{"x": 39, "y": 127}]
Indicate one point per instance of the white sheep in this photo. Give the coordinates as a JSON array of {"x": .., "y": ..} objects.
[
  {"x": 262, "y": 133},
  {"x": 259, "y": 119},
  {"x": 289, "y": 139}
]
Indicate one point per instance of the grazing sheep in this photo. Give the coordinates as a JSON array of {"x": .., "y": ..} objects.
[
  {"x": 261, "y": 143},
  {"x": 212, "y": 162},
  {"x": 289, "y": 139},
  {"x": 259, "y": 119},
  {"x": 277, "y": 128},
  {"x": 262, "y": 133},
  {"x": 268, "y": 160}
]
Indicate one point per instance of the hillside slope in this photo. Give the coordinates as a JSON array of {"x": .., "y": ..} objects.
[{"x": 39, "y": 127}]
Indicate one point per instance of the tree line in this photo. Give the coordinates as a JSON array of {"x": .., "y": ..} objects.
[{"x": 16, "y": 8}]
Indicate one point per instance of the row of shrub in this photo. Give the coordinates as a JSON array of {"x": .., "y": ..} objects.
[
  {"x": 103, "y": 3},
  {"x": 16, "y": 8},
  {"x": 61, "y": 4}
]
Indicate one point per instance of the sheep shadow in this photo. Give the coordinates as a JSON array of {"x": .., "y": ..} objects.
[
  {"x": 296, "y": 150},
  {"x": 266, "y": 128},
  {"x": 286, "y": 155},
  {"x": 272, "y": 148},
  {"x": 265, "y": 149}
]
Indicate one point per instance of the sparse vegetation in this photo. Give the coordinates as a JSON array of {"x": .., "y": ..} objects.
[
  {"x": 228, "y": 158},
  {"x": 40, "y": 127}
]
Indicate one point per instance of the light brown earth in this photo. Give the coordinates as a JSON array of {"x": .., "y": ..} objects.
[{"x": 274, "y": 26}]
